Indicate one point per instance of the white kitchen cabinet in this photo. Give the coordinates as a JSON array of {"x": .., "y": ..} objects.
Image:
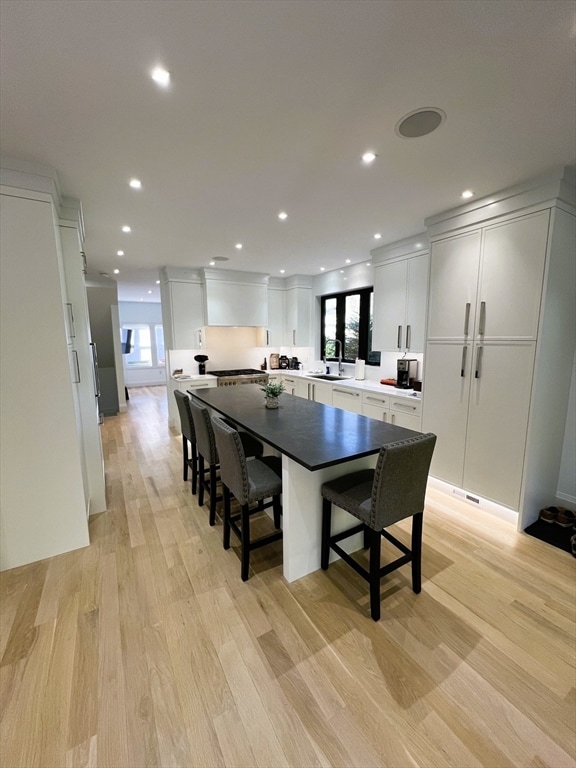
[
  {"x": 347, "y": 398},
  {"x": 501, "y": 317},
  {"x": 236, "y": 298},
  {"x": 272, "y": 335},
  {"x": 400, "y": 291},
  {"x": 298, "y": 316},
  {"x": 185, "y": 305},
  {"x": 399, "y": 410},
  {"x": 291, "y": 385},
  {"x": 183, "y": 385},
  {"x": 317, "y": 391}
]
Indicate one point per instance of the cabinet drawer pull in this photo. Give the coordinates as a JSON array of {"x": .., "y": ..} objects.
[
  {"x": 463, "y": 363},
  {"x": 382, "y": 401},
  {"x": 399, "y": 339},
  {"x": 478, "y": 362},
  {"x": 467, "y": 318},
  {"x": 482, "y": 323},
  {"x": 267, "y": 338},
  {"x": 404, "y": 405},
  {"x": 76, "y": 367},
  {"x": 350, "y": 394},
  {"x": 408, "y": 336}
]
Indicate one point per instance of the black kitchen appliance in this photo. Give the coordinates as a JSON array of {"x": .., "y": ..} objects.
[
  {"x": 283, "y": 362},
  {"x": 294, "y": 364},
  {"x": 406, "y": 372},
  {"x": 201, "y": 360}
]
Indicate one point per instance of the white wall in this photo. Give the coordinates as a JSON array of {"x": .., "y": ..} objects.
[{"x": 567, "y": 479}]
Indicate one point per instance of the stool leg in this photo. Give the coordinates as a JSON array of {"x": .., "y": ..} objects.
[
  {"x": 417, "y": 552},
  {"x": 276, "y": 509},
  {"x": 375, "y": 541},
  {"x": 194, "y": 469},
  {"x": 226, "y": 525},
  {"x": 185, "y": 457},
  {"x": 212, "y": 494},
  {"x": 245, "y": 518},
  {"x": 326, "y": 527},
  {"x": 201, "y": 480}
]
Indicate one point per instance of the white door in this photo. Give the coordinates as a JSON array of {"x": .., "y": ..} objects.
[
  {"x": 498, "y": 421},
  {"x": 445, "y": 407},
  {"x": 453, "y": 286},
  {"x": 389, "y": 310},
  {"x": 513, "y": 257},
  {"x": 416, "y": 304}
]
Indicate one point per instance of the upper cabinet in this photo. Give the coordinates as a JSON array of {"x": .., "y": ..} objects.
[
  {"x": 183, "y": 320},
  {"x": 400, "y": 294},
  {"x": 236, "y": 298},
  {"x": 298, "y": 311}
]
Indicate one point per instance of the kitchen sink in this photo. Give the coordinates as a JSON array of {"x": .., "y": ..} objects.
[{"x": 329, "y": 377}]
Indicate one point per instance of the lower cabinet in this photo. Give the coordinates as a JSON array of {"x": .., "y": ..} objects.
[
  {"x": 401, "y": 411},
  {"x": 347, "y": 399},
  {"x": 290, "y": 385}
]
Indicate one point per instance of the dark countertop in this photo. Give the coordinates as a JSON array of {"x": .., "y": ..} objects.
[{"x": 314, "y": 435}]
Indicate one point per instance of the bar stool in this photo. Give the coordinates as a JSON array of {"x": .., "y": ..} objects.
[
  {"x": 188, "y": 437},
  {"x": 379, "y": 497},
  {"x": 208, "y": 454},
  {"x": 249, "y": 482}
]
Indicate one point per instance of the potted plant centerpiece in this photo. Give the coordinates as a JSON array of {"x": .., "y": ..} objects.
[{"x": 272, "y": 392}]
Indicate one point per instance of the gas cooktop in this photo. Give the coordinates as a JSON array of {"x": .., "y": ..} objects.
[{"x": 237, "y": 372}]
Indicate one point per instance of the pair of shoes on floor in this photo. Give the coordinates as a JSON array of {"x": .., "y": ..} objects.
[{"x": 559, "y": 515}]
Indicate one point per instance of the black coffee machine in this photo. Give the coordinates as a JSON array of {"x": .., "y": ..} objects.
[
  {"x": 283, "y": 362},
  {"x": 406, "y": 373},
  {"x": 294, "y": 364}
]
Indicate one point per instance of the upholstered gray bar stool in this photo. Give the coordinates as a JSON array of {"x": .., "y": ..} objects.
[
  {"x": 188, "y": 438},
  {"x": 249, "y": 482},
  {"x": 208, "y": 454},
  {"x": 379, "y": 497}
]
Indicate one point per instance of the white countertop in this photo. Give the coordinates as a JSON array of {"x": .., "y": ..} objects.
[
  {"x": 362, "y": 384},
  {"x": 192, "y": 377}
]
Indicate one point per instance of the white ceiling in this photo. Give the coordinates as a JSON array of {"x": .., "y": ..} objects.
[{"x": 271, "y": 106}]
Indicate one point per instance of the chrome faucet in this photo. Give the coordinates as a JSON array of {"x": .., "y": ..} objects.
[{"x": 339, "y": 349}]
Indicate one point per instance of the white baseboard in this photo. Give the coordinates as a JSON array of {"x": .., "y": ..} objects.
[
  {"x": 565, "y": 500},
  {"x": 497, "y": 510}
]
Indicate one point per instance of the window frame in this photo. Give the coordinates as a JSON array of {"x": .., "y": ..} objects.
[
  {"x": 363, "y": 327},
  {"x": 154, "y": 361}
]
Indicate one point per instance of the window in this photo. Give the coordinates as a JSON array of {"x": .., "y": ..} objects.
[
  {"x": 348, "y": 318},
  {"x": 147, "y": 345}
]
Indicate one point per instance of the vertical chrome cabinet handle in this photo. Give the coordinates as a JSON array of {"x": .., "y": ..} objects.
[
  {"x": 463, "y": 363},
  {"x": 77, "y": 367},
  {"x": 399, "y": 339},
  {"x": 267, "y": 338},
  {"x": 478, "y": 362},
  {"x": 408, "y": 336},
  {"x": 467, "y": 318},
  {"x": 71, "y": 321},
  {"x": 482, "y": 324},
  {"x": 293, "y": 338}
]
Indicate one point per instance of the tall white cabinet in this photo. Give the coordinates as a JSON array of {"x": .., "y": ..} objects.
[
  {"x": 501, "y": 335},
  {"x": 43, "y": 502}
]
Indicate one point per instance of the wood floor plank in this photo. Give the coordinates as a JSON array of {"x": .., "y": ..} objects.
[{"x": 146, "y": 650}]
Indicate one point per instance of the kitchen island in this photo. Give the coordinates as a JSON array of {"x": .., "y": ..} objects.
[{"x": 317, "y": 443}]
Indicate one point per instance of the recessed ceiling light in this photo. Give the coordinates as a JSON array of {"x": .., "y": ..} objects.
[
  {"x": 282, "y": 271},
  {"x": 135, "y": 183},
  {"x": 239, "y": 246},
  {"x": 282, "y": 215},
  {"x": 322, "y": 269},
  {"x": 119, "y": 253},
  {"x": 141, "y": 299},
  {"x": 419, "y": 122},
  {"x": 369, "y": 157},
  {"x": 342, "y": 271},
  {"x": 157, "y": 282},
  {"x": 368, "y": 264},
  {"x": 212, "y": 263},
  {"x": 126, "y": 228},
  {"x": 348, "y": 261},
  {"x": 161, "y": 76},
  {"x": 418, "y": 245},
  {"x": 149, "y": 291},
  {"x": 116, "y": 271},
  {"x": 377, "y": 236},
  {"x": 467, "y": 193}
]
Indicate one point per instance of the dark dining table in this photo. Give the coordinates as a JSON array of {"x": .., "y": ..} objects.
[{"x": 317, "y": 443}]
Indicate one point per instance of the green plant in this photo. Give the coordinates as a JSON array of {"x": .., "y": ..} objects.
[{"x": 273, "y": 389}]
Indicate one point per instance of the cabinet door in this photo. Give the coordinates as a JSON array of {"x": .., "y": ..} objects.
[
  {"x": 347, "y": 399},
  {"x": 498, "y": 421},
  {"x": 454, "y": 269},
  {"x": 298, "y": 317},
  {"x": 513, "y": 257},
  {"x": 389, "y": 329},
  {"x": 406, "y": 420},
  {"x": 301, "y": 388},
  {"x": 320, "y": 393},
  {"x": 375, "y": 406},
  {"x": 445, "y": 406},
  {"x": 275, "y": 329},
  {"x": 416, "y": 304},
  {"x": 406, "y": 412},
  {"x": 187, "y": 314},
  {"x": 290, "y": 385}
]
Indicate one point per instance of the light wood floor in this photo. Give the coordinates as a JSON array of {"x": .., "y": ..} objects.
[{"x": 146, "y": 649}]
